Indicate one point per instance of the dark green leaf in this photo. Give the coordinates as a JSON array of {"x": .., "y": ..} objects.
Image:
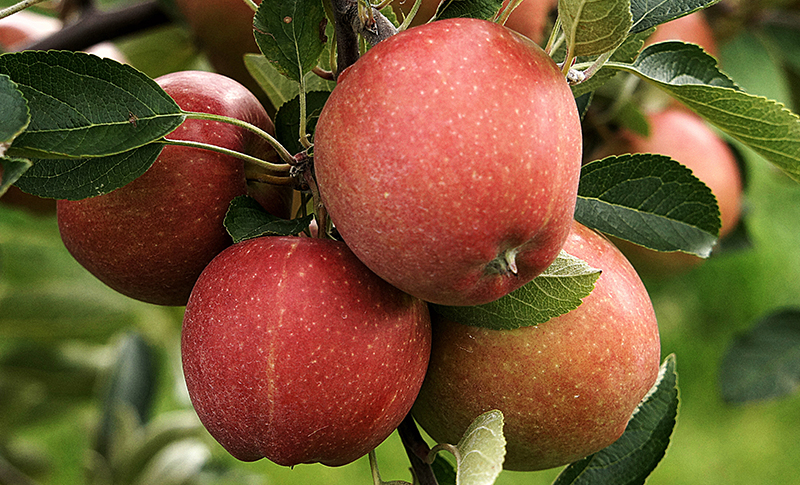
[
  {"x": 763, "y": 363},
  {"x": 630, "y": 459},
  {"x": 650, "y": 200},
  {"x": 287, "y": 120},
  {"x": 649, "y": 13},
  {"x": 85, "y": 106},
  {"x": 593, "y": 27},
  {"x": 625, "y": 53},
  {"x": 15, "y": 112},
  {"x": 12, "y": 170},
  {"x": 444, "y": 471},
  {"x": 690, "y": 75},
  {"x": 559, "y": 289},
  {"x": 291, "y": 35},
  {"x": 76, "y": 179},
  {"x": 476, "y": 9},
  {"x": 278, "y": 87},
  {"x": 246, "y": 219}
]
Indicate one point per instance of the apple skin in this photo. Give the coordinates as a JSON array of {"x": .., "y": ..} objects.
[
  {"x": 566, "y": 387},
  {"x": 701, "y": 150},
  {"x": 693, "y": 28},
  {"x": 151, "y": 238},
  {"x": 294, "y": 351},
  {"x": 433, "y": 172},
  {"x": 529, "y": 18},
  {"x": 223, "y": 31}
]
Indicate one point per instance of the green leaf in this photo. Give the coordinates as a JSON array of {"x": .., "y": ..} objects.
[
  {"x": 690, "y": 75},
  {"x": 559, "y": 289},
  {"x": 649, "y": 13},
  {"x": 444, "y": 471},
  {"x": 291, "y": 35},
  {"x": 593, "y": 27},
  {"x": 287, "y": 120},
  {"x": 246, "y": 219},
  {"x": 12, "y": 170},
  {"x": 85, "y": 106},
  {"x": 650, "y": 200},
  {"x": 763, "y": 363},
  {"x": 75, "y": 179},
  {"x": 481, "y": 451},
  {"x": 15, "y": 112},
  {"x": 630, "y": 459},
  {"x": 279, "y": 88},
  {"x": 476, "y": 9}
]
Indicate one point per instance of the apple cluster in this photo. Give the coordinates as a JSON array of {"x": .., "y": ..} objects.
[{"x": 447, "y": 159}]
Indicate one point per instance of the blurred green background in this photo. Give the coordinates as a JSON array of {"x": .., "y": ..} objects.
[{"x": 69, "y": 345}]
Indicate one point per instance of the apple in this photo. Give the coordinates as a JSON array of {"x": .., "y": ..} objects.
[
  {"x": 451, "y": 185},
  {"x": 223, "y": 31},
  {"x": 294, "y": 351},
  {"x": 700, "y": 149},
  {"x": 567, "y": 387},
  {"x": 693, "y": 28},
  {"x": 151, "y": 238},
  {"x": 529, "y": 18}
]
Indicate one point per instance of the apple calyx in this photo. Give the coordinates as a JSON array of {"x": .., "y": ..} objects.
[{"x": 505, "y": 264}]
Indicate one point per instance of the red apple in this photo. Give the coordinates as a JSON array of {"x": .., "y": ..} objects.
[
  {"x": 294, "y": 351},
  {"x": 223, "y": 30},
  {"x": 566, "y": 387},
  {"x": 151, "y": 238},
  {"x": 684, "y": 136},
  {"x": 452, "y": 185},
  {"x": 529, "y": 18},
  {"x": 692, "y": 28}
]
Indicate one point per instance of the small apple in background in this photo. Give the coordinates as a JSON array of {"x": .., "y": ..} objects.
[
  {"x": 151, "y": 238},
  {"x": 529, "y": 18},
  {"x": 693, "y": 28},
  {"x": 566, "y": 387},
  {"x": 450, "y": 185},
  {"x": 294, "y": 351},
  {"x": 223, "y": 31},
  {"x": 685, "y": 137}
]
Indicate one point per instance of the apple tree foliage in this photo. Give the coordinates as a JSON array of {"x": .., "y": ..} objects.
[{"x": 75, "y": 126}]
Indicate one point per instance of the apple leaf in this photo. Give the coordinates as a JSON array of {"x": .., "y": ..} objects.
[
  {"x": 15, "y": 112},
  {"x": 625, "y": 53},
  {"x": 246, "y": 219},
  {"x": 691, "y": 76},
  {"x": 649, "y": 13},
  {"x": 559, "y": 289},
  {"x": 594, "y": 27},
  {"x": 481, "y": 450},
  {"x": 75, "y": 179},
  {"x": 763, "y": 363},
  {"x": 278, "y": 88},
  {"x": 444, "y": 471},
  {"x": 630, "y": 459},
  {"x": 291, "y": 35},
  {"x": 651, "y": 200},
  {"x": 84, "y": 106},
  {"x": 476, "y": 9},
  {"x": 287, "y": 119},
  {"x": 13, "y": 169}
]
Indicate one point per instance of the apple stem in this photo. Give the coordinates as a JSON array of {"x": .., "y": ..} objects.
[
  {"x": 417, "y": 451},
  {"x": 17, "y": 7},
  {"x": 376, "y": 474},
  {"x": 274, "y": 167},
  {"x": 282, "y": 152},
  {"x": 251, "y": 4},
  {"x": 444, "y": 447}
]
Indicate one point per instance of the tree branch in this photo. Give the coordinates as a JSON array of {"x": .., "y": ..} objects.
[{"x": 417, "y": 451}]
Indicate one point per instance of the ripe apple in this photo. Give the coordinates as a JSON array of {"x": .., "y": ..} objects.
[
  {"x": 566, "y": 387},
  {"x": 223, "y": 31},
  {"x": 450, "y": 184},
  {"x": 684, "y": 136},
  {"x": 692, "y": 28},
  {"x": 529, "y": 18},
  {"x": 151, "y": 238},
  {"x": 294, "y": 351}
]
